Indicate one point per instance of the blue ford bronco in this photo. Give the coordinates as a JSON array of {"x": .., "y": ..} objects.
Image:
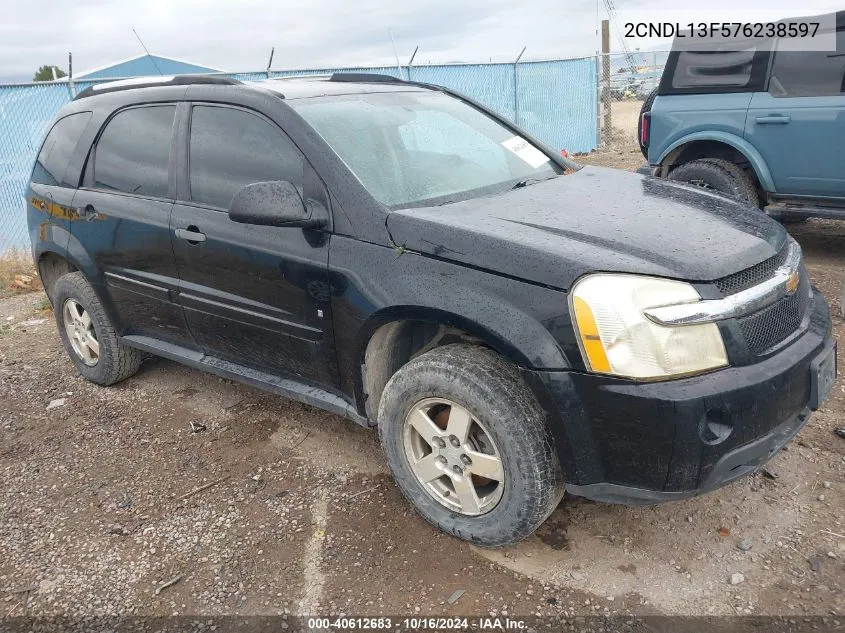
[{"x": 753, "y": 121}]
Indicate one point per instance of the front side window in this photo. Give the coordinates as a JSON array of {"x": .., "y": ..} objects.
[
  {"x": 232, "y": 148},
  {"x": 57, "y": 149},
  {"x": 809, "y": 73},
  {"x": 133, "y": 153},
  {"x": 416, "y": 148}
]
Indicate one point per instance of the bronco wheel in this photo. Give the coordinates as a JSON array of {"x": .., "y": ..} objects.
[
  {"x": 468, "y": 445},
  {"x": 87, "y": 334},
  {"x": 718, "y": 175}
]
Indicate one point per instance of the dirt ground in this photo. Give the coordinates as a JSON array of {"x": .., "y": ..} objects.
[{"x": 278, "y": 508}]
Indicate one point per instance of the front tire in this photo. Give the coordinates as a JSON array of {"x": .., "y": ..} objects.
[
  {"x": 468, "y": 445},
  {"x": 718, "y": 175},
  {"x": 87, "y": 334}
]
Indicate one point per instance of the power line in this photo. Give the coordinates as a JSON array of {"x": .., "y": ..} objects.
[{"x": 610, "y": 7}]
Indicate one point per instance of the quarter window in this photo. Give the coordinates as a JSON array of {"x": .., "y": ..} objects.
[
  {"x": 809, "y": 73},
  {"x": 58, "y": 148},
  {"x": 713, "y": 69},
  {"x": 232, "y": 148},
  {"x": 133, "y": 153}
]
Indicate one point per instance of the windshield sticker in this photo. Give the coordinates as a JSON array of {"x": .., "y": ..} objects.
[{"x": 526, "y": 151}]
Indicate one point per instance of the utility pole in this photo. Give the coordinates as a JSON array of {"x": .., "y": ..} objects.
[
  {"x": 607, "y": 118},
  {"x": 516, "y": 86},
  {"x": 70, "y": 85}
]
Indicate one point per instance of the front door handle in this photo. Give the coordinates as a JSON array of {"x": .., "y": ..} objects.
[
  {"x": 781, "y": 119},
  {"x": 191, "y": 235}
]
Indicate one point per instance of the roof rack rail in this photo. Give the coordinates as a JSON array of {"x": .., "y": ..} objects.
[
  {"x": 151, "y": 82},
  {"x": 303, "y": 76},
  {"x": 366, "y": 78}
]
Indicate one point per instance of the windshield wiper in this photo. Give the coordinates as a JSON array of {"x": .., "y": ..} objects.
[{"x": 531, "y": 181}]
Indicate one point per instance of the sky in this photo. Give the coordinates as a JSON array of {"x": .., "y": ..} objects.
[{"x": 236, "y": 35}]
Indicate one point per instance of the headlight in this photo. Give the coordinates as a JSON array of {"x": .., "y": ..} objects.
[{"x": 617, "y": 338}]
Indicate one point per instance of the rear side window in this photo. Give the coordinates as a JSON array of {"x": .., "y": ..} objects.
[
  {"x": 809, "y": 73},
  {"x": 231, "y": 148},
  {"x": 133, "y": 153},
  {"x": 700, "y": 69},
  {"x": 58, "y": 148}
]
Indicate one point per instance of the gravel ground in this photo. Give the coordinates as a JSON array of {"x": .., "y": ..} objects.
[{"x": 112, "y": 505}]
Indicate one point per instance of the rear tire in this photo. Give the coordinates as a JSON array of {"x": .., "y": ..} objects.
[
  {"x": 97, "y": 352},
  {"x": 719, "y": 175},
  {"x": 510, "y": 425},
  {"x": 649, "y": 101}
]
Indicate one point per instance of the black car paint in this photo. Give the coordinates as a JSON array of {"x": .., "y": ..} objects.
[
  {"x": 657, "y": 436},
  {"x": 553, "y": 232},
  {"x": 497, "y": 268}
]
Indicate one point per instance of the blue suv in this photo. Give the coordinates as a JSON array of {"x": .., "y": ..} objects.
[{"x": 756, "y": 123}]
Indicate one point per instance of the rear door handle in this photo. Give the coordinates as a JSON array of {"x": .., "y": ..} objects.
[
  {"x": 191, "y": 234},
  {"x": 773, "y": 119}
]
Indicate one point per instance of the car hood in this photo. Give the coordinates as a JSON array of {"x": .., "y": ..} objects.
[{"x": 596, "y": 219}]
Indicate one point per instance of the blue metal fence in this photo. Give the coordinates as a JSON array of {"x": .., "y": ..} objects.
[{"x": 554, "y": 100}]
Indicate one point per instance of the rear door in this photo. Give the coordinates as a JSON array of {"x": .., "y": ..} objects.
[
  {"x": 253, "y": 295},
  {"x": 798, "y": 125},
  {"x": 50, "y": 196},
  {"x": 124, "y": 211}
]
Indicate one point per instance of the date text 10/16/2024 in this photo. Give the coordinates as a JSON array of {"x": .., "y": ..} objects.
[{"x": 416, "y": 623}]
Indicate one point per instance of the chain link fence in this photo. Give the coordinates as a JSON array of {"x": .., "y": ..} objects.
[
  {"x": 555, "y": 100},
  {"x": 625, "y": 81}
]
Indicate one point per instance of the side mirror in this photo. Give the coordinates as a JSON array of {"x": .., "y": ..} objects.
[{"x": 275, "y": 203}]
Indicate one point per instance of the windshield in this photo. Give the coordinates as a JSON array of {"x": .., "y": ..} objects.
[{"x": 422, "y": 148}]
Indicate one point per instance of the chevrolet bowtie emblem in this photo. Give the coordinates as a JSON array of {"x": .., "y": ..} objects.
[{"x": 792, "y": 283}]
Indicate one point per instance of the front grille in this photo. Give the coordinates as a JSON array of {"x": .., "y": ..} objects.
[
  {"x": 749, "y": 277},
  {"x": 770, "y": 326}
]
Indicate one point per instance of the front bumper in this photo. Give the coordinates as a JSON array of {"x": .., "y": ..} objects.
[{"x": 640, "y": 443}]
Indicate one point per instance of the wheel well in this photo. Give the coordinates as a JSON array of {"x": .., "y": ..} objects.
[
  {"x": 50, "y": 268},
  {"x": 396, "y": 343},
  {"x": 707, "y": 149}
]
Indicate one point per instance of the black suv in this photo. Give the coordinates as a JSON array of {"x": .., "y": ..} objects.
[{"x": 513, "y": 324}]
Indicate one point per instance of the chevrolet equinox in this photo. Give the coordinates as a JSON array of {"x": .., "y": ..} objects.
[{"x": 513, "y": 324}]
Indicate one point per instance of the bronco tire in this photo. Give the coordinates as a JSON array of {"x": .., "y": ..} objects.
[
  {"x": 719, "y": 175},
  {"x": 87, "y": 334},
  {"x": 468, "y": 445}
]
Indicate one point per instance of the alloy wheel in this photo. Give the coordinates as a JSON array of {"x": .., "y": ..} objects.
[
  {"x": 80, "y": 332},
  {"x": 453, "y": 456}
]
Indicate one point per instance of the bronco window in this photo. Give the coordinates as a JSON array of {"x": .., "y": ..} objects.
[
  {"x": 809, "y": 73},
  {"x": 133, "y": 153},
  {"x": 696, "y": 69},
  {"x": 416, "y": 148}
]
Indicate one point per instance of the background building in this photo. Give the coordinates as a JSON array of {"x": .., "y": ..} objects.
[{"x": 143, "y": 65}]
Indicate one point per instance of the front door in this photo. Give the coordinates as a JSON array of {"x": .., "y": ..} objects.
[
  {"x": 123, "y": 223},
  {"x": 798, "y": 125},
  {"x": 253, "y": 295}
]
